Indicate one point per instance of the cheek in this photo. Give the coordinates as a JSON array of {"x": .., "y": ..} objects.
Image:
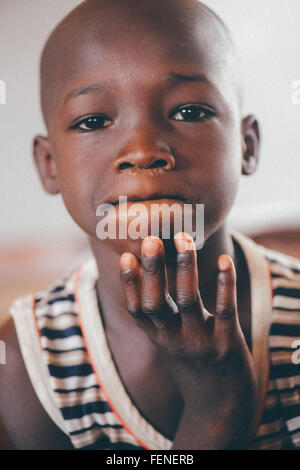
[
  {"x": 78, "y": 182},
  {"x": 225, "y": 176},
  {"x": 217, "y": 171}
]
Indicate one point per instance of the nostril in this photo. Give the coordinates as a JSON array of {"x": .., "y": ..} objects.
[
  {"x": 125, "y": 165},
  {"x": 159, "y": 164}
]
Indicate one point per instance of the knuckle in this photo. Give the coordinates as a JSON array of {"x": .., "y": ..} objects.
[
  {"x": 133, "y": 309},
  {"x": 150, "y": 311},
  {"x": 226, "y": 311},
  {"x": 150, "y": 307},
  {"x": 186, "y": 304},
  {"x": 127, "y": 276},
  {"x": 151, "y": 266},
  {"x": 184, "y": 261}
]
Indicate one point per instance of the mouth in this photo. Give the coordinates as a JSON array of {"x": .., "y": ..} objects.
[{"x": 151, "y": 197}]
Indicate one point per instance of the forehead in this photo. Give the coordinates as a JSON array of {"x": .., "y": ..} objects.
[{"x": 143, "y": 42}]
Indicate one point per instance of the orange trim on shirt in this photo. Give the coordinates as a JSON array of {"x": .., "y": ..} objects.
[{"x": 77, "y": 277}]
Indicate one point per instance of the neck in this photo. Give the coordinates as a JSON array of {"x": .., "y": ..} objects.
[{"x": 113, "y": 309}]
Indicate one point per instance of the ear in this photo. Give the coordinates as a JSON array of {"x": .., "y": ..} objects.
[
  {"x": 45, "y": 164},
  {"x": 250, "y": 145}
]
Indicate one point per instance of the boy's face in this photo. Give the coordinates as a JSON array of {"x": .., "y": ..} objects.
[{"x": 147, "y": 107}]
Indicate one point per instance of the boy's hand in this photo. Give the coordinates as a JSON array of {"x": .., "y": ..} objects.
[{"x": 206, "y": 352}]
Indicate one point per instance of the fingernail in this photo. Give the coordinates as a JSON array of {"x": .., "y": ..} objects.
[
  {"x": 126, "y": 261},
  {"x": 151, "y": 246},
  {"x": 224, "y": 263},
  {"x": 183, "y": 242}
]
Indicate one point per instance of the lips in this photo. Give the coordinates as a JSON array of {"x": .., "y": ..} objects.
[{"x": 151, "y": 196}]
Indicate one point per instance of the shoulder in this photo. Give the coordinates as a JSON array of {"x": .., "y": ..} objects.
[
  {"x": 281, "y": 265},
  {"x": 284, "y": 273},
  {"x": 284, "y": 339},
  {"x": 47, "y": 360},
  {"x": 22, "y": 415},
  {"x": 285, "y": 282},
  {"x": 21, "y": 412}
]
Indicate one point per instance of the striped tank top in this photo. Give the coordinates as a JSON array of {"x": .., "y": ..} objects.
[{"x": 68, "y": 359}]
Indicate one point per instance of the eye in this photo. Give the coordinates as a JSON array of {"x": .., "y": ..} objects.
[
  {"x": 192, "y": 113},
  {"x": 92, "y": 123}
]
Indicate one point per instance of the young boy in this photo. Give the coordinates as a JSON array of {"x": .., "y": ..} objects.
[{"x": 186, "y": 349}]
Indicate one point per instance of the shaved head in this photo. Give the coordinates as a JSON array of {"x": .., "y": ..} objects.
[{"x": 95, "y": 25}]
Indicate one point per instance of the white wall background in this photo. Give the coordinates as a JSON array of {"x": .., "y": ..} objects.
[{"x": 267, "y": 34}]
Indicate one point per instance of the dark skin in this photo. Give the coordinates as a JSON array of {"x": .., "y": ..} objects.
[{"x": 157, "y": 113}]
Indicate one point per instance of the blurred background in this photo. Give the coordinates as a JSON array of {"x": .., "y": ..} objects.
[{"x": 38, "y": 239}]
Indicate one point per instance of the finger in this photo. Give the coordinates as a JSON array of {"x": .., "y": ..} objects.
[
  {"x": 153, "y": 289},
  {"x": 226, "y": 318},
  {"x": 188, "y": 297},
  {"x": 130, "y": 276},
  {"x": 130, "y": 279}
]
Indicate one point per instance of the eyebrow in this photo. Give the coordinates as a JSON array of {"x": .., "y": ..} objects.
[
  {"x": 87, "y": 90},
  {"x": 178, "y": 77},
  {"x": 172, "y": 79}
]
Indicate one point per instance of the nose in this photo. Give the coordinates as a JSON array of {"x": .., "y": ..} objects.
[{"x": 145, "y": 152}]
